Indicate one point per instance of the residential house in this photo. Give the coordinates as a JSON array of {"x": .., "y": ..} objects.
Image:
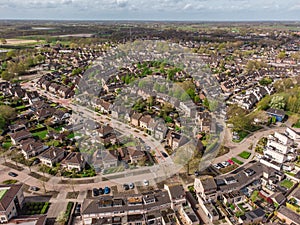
[
  {"x": 206, "y": 187},
  {"x": 233, "y": 197},
  {"x": 177, "y": 195},
  {"x": 109, "y": 159},
  {"x": 60, "y": 115},
  {"x": 277, "y": 113},
  {"x": 31, "y": 147},
  {"x": 32, "y": 96},
  {"x": 54, "y": 87},
  {"x": 11, "y": 201},
  {"x": 288, "y": 216},
  {"x": 19, "y": 135},
  {"x": 64, "y": 91},
  {"x": 135, "y": 155},
  {"x": 145, "y": 121},
  {"x": 52, "y": 156},
  {"x": 176, "y": 140},
  {"x": 130, "y": 209},
  {"x": 160, "y": 131},
  {"x": 44, "y": 113},
  {"x": 255, "y": 216},
  {"x": 16, "y": 127},
  {"x": 189, "y": 216},
  {"x": 135, "y": 119},
  {"x": 74, "y": 160}
]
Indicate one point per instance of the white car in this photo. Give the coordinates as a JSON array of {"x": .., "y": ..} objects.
[
  {"x": 217, "y": 166},
  {"x": 225, "y": 164},
  {"x": 146, "y": 182}
]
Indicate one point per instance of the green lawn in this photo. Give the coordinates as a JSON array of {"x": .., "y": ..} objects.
[
  {"x": 237, "y": 161},
  {"x": 245, "y": 155},
  {"x": 242, "y": 135},
  {"x": 40, "y": 134},
  {"x": 6, "y": 145},
  {"x": 10, "y": 181},
  {"x": 71, "y": 135},
  {"x": 287, "y": 184}
]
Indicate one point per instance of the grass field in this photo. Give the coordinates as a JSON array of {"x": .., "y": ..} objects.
[
  {"x": 21, "y": 42},
  {"x": 237, "y": 161},
  {"x": 245, "y": 155},
  {"x": 287, "y": 184},
  {"x": 40, "y": 134}
]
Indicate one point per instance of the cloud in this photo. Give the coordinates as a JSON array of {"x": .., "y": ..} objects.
[
  {"x": 122, "y": 3},
  {"x": 162, "y": 9}
]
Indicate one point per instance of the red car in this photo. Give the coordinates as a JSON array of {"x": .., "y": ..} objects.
[{"x": 230, "y": 161}]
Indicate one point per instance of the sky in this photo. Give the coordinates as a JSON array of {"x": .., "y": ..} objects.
[{"x": 179, "y": 10}]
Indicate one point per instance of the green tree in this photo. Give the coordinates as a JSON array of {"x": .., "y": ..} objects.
[
  {"x": 5, "y": 75},
  {"x": 7, "y": 112},
  {"x": 3, "y": 41},
  {"x": 277, "y": 102},
  {"x": 281, "y": 55}
]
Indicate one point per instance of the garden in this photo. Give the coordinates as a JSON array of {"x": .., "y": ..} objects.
[
  {"x": 245, "y": 155},
  {"x": 34, "y": 208}
]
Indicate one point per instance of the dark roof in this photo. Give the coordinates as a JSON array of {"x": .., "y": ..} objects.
[
  {"x": 131, "y": 202},
  {"x": 74, "y": 158},
  {"x": 52, "y": 153},
  {"x": 276, "y": 112},
  {"x": 9, "y": 196},
  {"x": 289, "y": 214},
  {"x": 176, "y": 191}
]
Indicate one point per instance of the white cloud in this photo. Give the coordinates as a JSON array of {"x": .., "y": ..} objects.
[{"x": 163, "y": 9}]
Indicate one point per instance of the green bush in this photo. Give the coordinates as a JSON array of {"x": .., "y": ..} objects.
[{"x": 45, "y": 208}]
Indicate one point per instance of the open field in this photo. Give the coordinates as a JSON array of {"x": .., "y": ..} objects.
[{"x": 20, "y": 42}]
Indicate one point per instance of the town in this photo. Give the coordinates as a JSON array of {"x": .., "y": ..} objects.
[{"x": 155, "y": 126}]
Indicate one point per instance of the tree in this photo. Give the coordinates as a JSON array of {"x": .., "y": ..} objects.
[
  {"x": 5, "y": 75},
  {"x": 7, "y": 112},
  {"x": 281, "y": 55},
  {"x": 265, "y": 81},
  {"x": 277, "y": 102},
  {"x": 3, "y": 41}
]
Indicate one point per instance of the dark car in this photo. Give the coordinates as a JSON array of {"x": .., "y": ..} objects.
[
  {"x": 126, "y": 187},
  {"x": 164, "y": 154},
  {"x": 101, "y": 191},
  {"x": 12, "y": 174},
  {"x": 34, "y": 188},
  {"x": 77, "y": 209},
  {"x": 95, "y": 192},
  {"x": 220, "y": 165}
]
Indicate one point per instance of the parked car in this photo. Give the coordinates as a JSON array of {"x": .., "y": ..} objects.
[
  {"x": 225, "y": 163},
  {"x": 146, "y": 182},
  {"x": 196, "y": 173},
  {"x": 230, "y": 161},
  {"x": 164, "y": 154},
  {"x": 125, "y": 187},
  {"x": 131, "y": 185},
  {"x": 217, "y": 166},
  {"x": 148, "y": 148},
  {"x": 220, "y": 165},
  {"x": 101, "y": 191},
  {"x": 34, "y": 188},
  {"x": 77, "y": 209},
  {"x": 95, "y": 192},
  {"x": 12, "y": 174},
  {"x": 106, "y": 190}
]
